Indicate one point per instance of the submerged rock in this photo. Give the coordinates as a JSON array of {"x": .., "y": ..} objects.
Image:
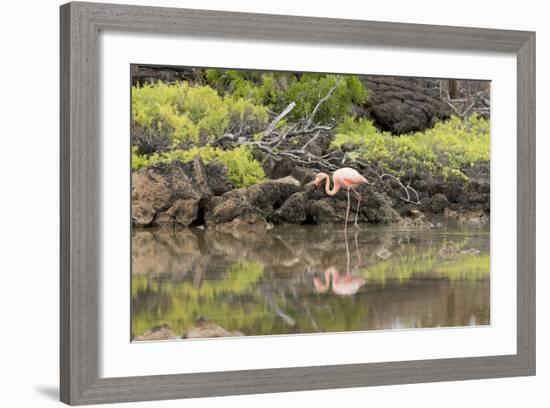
[
  {"x": 384, "y": 254},
  {"x": 449, "y": 250},
  {"x": 162, "y": 332},
  {"x": 205, "y": 328}
]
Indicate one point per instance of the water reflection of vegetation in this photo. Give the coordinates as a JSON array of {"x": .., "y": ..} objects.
[
  {"x": 248, "y": 309},
  {"x": 257, "y": 292},
  {"x": 462, "y": 267}
]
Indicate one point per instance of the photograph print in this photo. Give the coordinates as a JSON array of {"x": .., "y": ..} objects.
[{"x": 283, "y": 203}]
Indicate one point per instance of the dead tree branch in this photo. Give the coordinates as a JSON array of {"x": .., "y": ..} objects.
[
  {"x": 406, "y": 188},
  {"x": 321, "y": 101},
  {"x": 274, "y": 122},
  {"x": 311, "y": 140}
]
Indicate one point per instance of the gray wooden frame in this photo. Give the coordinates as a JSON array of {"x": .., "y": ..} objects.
[{"x": 80, "y": 232}]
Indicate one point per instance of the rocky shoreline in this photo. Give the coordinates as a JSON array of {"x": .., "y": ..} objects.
[{"x": 172, "y": 195}]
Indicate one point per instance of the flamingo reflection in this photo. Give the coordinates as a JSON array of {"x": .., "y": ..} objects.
[{"x": 342, "y": 285}]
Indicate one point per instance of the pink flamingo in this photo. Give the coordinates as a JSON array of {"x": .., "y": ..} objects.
[
  {"x": 346, "y": 178},
  {"x": 341, "y": 285}
]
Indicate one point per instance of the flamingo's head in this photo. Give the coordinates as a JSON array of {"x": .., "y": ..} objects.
[{"x": 319, "y": 178}]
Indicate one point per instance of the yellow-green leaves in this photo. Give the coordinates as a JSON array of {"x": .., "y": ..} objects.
[
  {"x": 447, "y": 149},
  {"x": 191, "y": 114},
  {"x": 276, "y": 90},
  {"x": 243, "y": 169}
]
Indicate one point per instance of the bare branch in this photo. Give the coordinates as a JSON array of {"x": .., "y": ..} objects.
[
  {"x": 311, "y": 140},
  {"x": 274, "y": 122},
  {"x": 406, "y": 188},
  {"x": 328, "y": 95}
]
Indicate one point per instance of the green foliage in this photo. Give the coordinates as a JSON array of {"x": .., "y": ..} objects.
[
  {"x": 256, "y": 86},
  {"x": 190, "y": 115},
  {"x": 462, "y": 267},
  {"x": 276, "y": 90},
  {"x": 243, "y": 169},
  {"x": 310, "y": 88},
  {"x": 447, "y": 149},
  {"x": 187, "y": 302},
  {"x": 179, "y": 111},
  {"x": 244, "y": 116}
]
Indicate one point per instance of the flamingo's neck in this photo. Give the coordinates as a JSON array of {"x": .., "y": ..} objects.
[
  {"x": 323, "y": 287},
  {"x": 335, "y": 186}
]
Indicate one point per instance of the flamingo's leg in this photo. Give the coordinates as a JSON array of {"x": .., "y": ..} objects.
[
  {"x": 358, "y": 205},
  {"x": 357, "y": 249},
  {"x": 347, "y": 215}
]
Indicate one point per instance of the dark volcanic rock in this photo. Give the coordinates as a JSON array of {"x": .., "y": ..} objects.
[
  {"x": 323, "y": 211},
  {"x": 285, "y": 167},
  {"x": 438, "y": 203},
  {"x": 155, "y": 188},
  {"x": 142, "y": 74},
  {"x": 375, "y": 207},
  {"x": 143, "y": 213},
  {"x": 252, "y": 205},
  {"x": 182, "y": 212},
  {"x": 171, "y": 194},
  {"x": 218, "y": 181},
  {"x": 292, "y": 211},
  {"x": 403, "y": 105},
  {"x": 232, "y": 207}
]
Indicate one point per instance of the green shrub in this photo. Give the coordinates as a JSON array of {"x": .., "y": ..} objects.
[
  {"x": 244, "y": 116},
  {"x": 243, "y": 169},
  {"x": 276, "y": 90},
  {"x": 447, "y": 149},
  {"x": 310, "y": 88},
  {"x": 190, "y": 115}
]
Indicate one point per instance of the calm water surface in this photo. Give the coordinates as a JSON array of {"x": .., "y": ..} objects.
[{"x": 306, "y": 279}]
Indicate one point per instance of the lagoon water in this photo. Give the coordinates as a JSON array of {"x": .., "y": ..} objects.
[{"x": 310, "y": 279}]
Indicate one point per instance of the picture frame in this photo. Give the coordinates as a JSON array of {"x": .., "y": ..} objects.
[{"x": 80, "y": 232}]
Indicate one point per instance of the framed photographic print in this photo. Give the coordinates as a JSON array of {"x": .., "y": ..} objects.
[{"x": 261, "y": 203}]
